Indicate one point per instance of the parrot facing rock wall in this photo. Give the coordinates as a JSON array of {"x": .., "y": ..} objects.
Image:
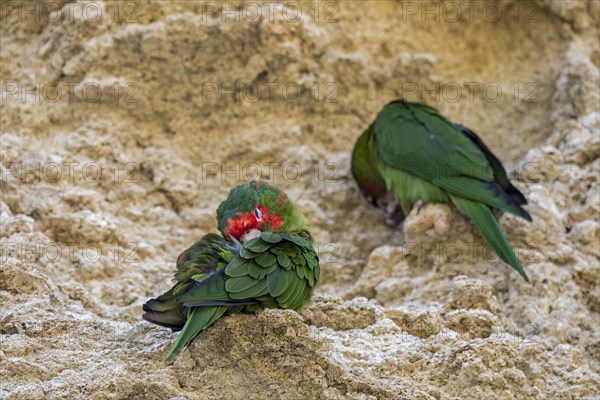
[
  {"x": 264, "y": 259},
  {"x": 412, "y": 155}
]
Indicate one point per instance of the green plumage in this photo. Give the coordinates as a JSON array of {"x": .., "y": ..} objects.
[
  {"x": 218, "y": 275},
  {"x": 411, "y": 153},
  {"x": 253, "y": 274}
]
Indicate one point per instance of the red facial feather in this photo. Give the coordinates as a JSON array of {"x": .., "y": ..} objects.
[
  {"x": 238, "y": 225},
  {"x": 275, "y": 221}
]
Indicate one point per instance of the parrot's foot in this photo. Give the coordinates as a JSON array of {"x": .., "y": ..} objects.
[
  {"x": 424, "y": 217},
  {"x": 418, "y": 205}
]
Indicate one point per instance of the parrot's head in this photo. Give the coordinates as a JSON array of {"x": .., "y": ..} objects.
[{"x": 255, "y": 207}]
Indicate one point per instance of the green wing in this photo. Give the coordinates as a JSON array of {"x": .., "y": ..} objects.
[
  {"x": 273, "y": 270},
  {"x": 214, "y": 275},
  {"x": 498, "y": 169},
  {"x": 195, "y": 264},
  {"x": 198, "y": 263},
  {"x": 416, "y": 139}
]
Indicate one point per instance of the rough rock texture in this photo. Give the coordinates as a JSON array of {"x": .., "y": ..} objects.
[{"x": 145, "y": 113}]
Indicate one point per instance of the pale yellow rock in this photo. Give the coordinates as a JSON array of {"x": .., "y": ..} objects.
[
  {"x": 100, "y": 194},
  {"x": 436, "y": 216}
]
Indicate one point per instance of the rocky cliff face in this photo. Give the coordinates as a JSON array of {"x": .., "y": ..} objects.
[{"x": 124, "y": 124}]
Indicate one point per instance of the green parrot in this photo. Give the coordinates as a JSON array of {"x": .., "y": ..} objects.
[
  {"x": 411, "y": 155},
  {"x": 264, "y": 258}
]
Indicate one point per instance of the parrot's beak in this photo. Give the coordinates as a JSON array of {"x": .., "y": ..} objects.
[{"x": 249, "y": 235}]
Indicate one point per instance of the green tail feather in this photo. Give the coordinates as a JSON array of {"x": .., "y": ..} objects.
[
  {"x": 199, "y": 319},
  {"x": 486, "y": 223},
  {"x": 164, "y": 311}
]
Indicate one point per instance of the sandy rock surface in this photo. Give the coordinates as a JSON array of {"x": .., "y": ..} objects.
[{"x": 124, "y": 124}]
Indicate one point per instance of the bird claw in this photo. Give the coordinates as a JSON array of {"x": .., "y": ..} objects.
[{"x": 418, "y": 205}]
